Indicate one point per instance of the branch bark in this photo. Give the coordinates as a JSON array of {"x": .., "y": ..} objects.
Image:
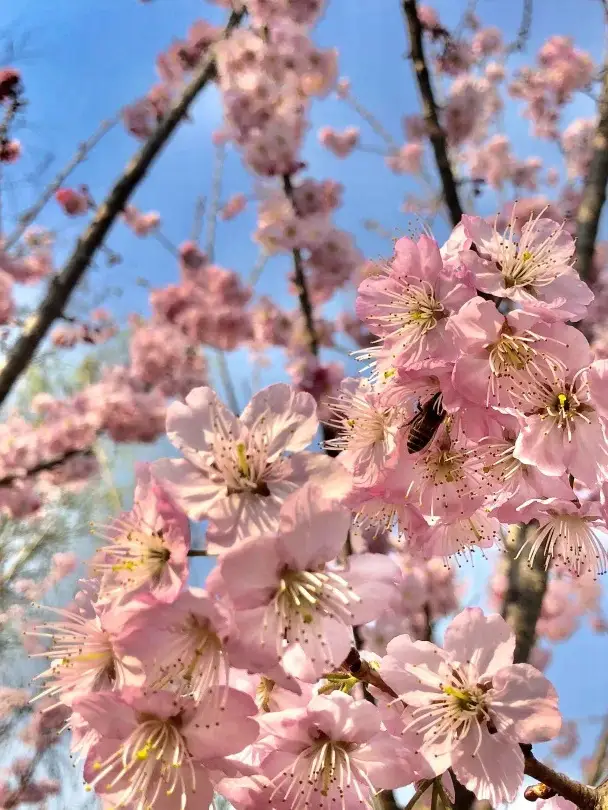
[
  {"x": 594, "y": 192},
  {"x": 300, "y": 280},
  {"x": 525, "y": 592},
  {"x": 583, "y": 796},
  {"x": 431, "y": 116},
  {"x": 63, "y": 285}
]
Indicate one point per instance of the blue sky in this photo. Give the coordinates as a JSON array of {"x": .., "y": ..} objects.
[{"x": 84, "y": 59}]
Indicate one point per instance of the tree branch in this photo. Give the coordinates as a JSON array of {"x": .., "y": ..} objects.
[
  {"x": 64, "y": 284},
  {"x": 435, "y": 131},
  {"x": 587, "y": 798},
  {"x": 300, "y": 280},
  {"x": 525, "y": 592},
  {"x": 594, "y": 192},
  {"x": 44, "y": 466}
]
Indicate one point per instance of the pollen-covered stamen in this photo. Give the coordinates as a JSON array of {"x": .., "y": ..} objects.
[
  {"x": 195, "y": 662},
  {"x": 82, "y": 657},
  {"x": 154, "y": 758},
  {"x": 358, "y": 422},
  {"x": 459, "y": 706},
  {"x": 242, "y": 462},
  {"x": 263, "y": 694},
  {"x": 327, "y": 768},
  {"x": 412, "y": 311},
  {"x": 137, "y": 555},
  {"x": 572, "y": 540},
  {"x": 528, "y": 264},
  {"x": 301, "y": 602},
  {"x": 561, "y": 404}
]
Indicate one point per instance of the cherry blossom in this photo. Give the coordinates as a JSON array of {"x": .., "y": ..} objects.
[
  {"x": 469, "y": 706},
  {"x": 236, "y": 471}
]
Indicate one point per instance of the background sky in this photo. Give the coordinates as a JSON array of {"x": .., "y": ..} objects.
[{"x": 82, "y": 60}]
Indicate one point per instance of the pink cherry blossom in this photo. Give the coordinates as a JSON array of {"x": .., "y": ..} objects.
[
  {"x": 340, "y": 143},
  {"x": 469, "y": 706},
  {"x": 87, "y": 653},
  {"x": 562, "y": 430},
  {"x": 156, "y": 749},
  {"x": 236, "y": 471},
  {"x": 148, "y": 548},
  {"x": 407, "y": 305},
  {"x": 535, "y": 271},
  {"x": 367, "y": 429},
  {"x": 568, "y": 532},
  {"x": 334, "y": 750},
  {"x": 190, "y": 654},
  {"x": 291, "y": 601}
]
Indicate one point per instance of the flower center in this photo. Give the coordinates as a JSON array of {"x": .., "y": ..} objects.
[
  {"x": 509, "y": 353},
  {"x": 310, "y": 594},
  {"x": 153, "y": 758},
  {"x": 196, "y": 661},
  {"x": 136, "y": 557}
]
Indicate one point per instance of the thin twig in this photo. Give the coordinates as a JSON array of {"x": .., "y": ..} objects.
[
  {"x": 257, "y": 269},
  {"x": 63, "y": 285},
  {"x": 523, "y": 33},
  {"x": 199, "y": 219},
  {"x": 214, "y": 200},
  {"x": 371, "y": 119},
  {"x": 594, "y": 193},
  {"x": 28, "y": 216},
  {"x": 431, "y": 116},
  {"x": 224, "y": 371}
]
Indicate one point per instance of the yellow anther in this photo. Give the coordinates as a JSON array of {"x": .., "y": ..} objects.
[{"x": 241, "y": 452}]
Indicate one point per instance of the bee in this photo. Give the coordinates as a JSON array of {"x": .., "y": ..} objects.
[{"x": 425, "y": 424}]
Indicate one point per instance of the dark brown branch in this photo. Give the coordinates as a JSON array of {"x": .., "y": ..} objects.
[
  {"x": 594, "y": 192},
  {"x": 64, "y": 284},
  {"x": 44, "y": 466},
  {"x": 587, "y": 798},
  {"x": 300, "y": 281},
  {"x": 435, "y": 131},
  {"x": 525, "y": 592}
]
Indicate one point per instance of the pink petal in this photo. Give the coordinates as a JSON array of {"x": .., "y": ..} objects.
[
  {"x": 487, "y": 642},
  {"x": 494, "y": 771},
  {"x": 527, "y": 701},
  {"x": 286, "y": 418}
]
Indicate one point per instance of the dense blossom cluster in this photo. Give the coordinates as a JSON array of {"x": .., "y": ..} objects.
[{"x": 484, "y": 405}]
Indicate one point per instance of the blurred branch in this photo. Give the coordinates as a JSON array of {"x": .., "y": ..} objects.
[
  {"x": 525, "y": 591},
  {"x": 48, "y": 465},
  {"x": 30, "y": 214},
  {"x": 214, "y": 200},
  {"x": 199, "y": 219},
  {"x": 599, "y": 762},
  {"x": 300, "y": 281},
  {"x": 519, "y": 43},
  {"x": 63, "y": 285},
  {"x": 594, "y": 192},
  {"x": 435, "y": 131}
]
